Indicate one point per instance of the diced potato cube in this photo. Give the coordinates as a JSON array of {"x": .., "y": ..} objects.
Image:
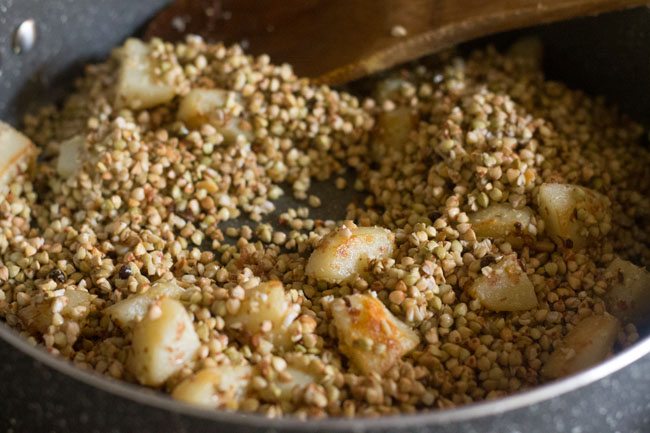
[
  {"x": 529, "y": 48},
  {"x": 70, "y": 151},
  {"x": 162, "y": 343},
  {"x": 220, "y": 108},
  {"x": 390, "y": 88},
  {"x": 76, "y": 305},
  {"x": 369, "y": 335},
  {"x": 18, "y": 153},
  {"x": 218, "y": 387},
  {"x": 36, "y": 317},
  {"x": 296, "y": 378},
  {"x": 506, "y": 288},
  {"x": 137, "y": 87},
  {"x": 200, "y": 106},
  {"x": 347, "y": 251},
  {"x": 128, "y": 311},
  {"x": 574, "y": 213},
  {"x": 266, "y": 302},
  {"x": 587, "y": 344},
  {"x": 282, "y": 385},
  {"x": 502, "y": 221},
  {"x": 392, "y": 131},
  {"x": 629, "y": 294}
]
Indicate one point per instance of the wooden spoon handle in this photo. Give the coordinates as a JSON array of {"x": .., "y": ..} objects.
[
  {"x": 335, "y": 41},
  {"x": 452, "y": 24}
]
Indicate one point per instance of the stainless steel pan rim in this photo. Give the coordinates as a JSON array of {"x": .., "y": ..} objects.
[
  {"x": 468, "y": 412},
  {"x": 605, "y": 56}
]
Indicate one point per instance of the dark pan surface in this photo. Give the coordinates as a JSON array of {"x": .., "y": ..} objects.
[{"x": 609, "y": 55}]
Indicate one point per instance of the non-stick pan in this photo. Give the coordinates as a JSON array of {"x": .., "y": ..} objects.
[{"x": 607, "y": 55}]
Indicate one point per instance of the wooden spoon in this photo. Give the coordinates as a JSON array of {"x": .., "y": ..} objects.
[{"x": 335, "y": 41}]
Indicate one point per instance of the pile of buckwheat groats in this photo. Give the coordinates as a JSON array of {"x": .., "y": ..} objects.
[{"x": 490, "y": 248}]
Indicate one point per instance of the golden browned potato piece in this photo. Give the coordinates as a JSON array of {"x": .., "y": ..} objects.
[
  {"x": 297, "y": 377},
  {"x": 266, "y": 302},
  {"x": 347, "y": 251},
  {"x": 75, "y": 305},
  {"x": 162, "y": 343},
  {"x": 70, "y": 152},
  {"x": 502, "y": 221},
  {"x": 506, "y": 288},
  {"x": 587, "y": 344},
  {"x": 392, "y": 131},
  {"x": 369, "y": 335},
  {"x": 17, "y": 150},
  {"x": 220, "y": 108},
  {"x": 529, "y": 48},
  {"x": 282, "y": 385},
  {"x": 390, "y": 88},
  {"x": 574, "y": 213},
  {"x": 629, "y": 294},
  {"x": 137, "y": 88},
  {"x": 217, "y": 387},
  {"x": 128, "y": 311}
]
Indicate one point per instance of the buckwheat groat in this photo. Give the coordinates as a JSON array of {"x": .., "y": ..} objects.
[{"x": 502, "y": 239}]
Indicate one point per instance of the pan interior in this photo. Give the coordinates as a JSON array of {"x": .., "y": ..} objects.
[{"x": 605, "y": 56}]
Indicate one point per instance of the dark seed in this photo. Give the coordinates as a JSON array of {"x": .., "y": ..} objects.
[
  {"x": 58, "y": 276},
  {"x": 487, "y": 260},
  {"x": 125, "y": 272}
]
